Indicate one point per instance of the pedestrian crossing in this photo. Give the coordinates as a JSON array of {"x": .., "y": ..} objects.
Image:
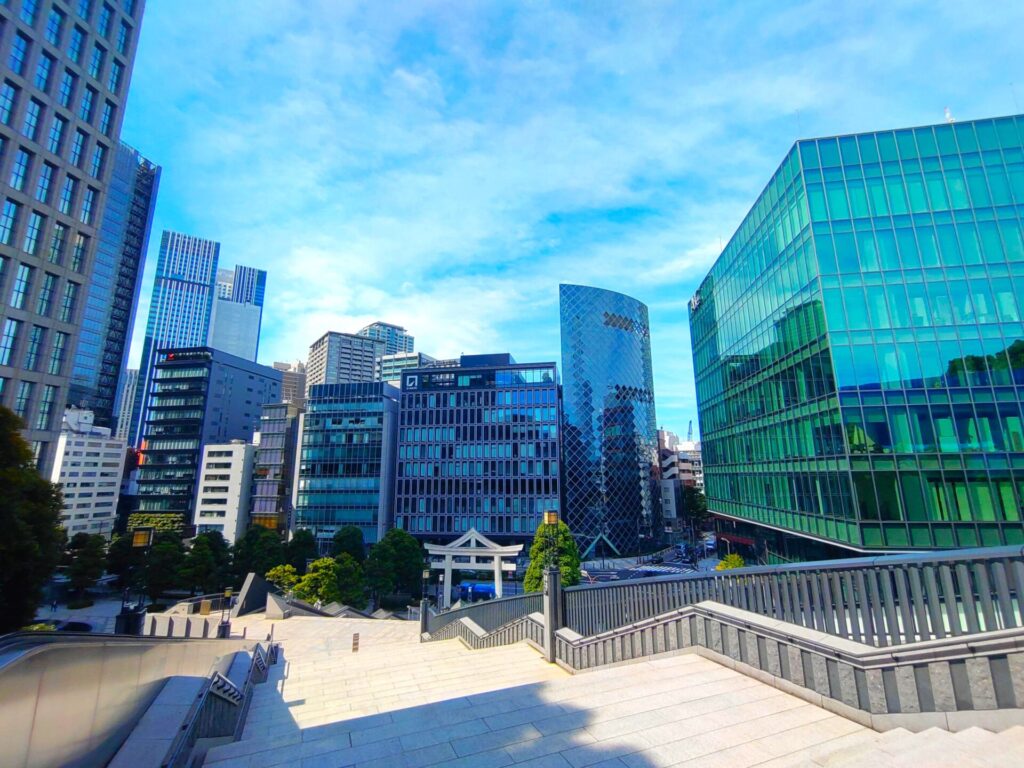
[{"x": 666, "y": 568}]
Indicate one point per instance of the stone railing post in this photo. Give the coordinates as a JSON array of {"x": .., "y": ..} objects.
[
  {"x": 552, "y": 610},
  {"x": 424, "y": 607}
]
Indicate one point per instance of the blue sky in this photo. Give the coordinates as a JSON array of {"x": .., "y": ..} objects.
[{"x": 444, "y": 165}]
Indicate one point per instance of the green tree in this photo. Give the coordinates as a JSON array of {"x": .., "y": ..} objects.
[
  {"x": 395, "y": 564},
  {"x": 32, "y": 540},
  {"x": 320, "y": 583},
  {"x": 203, "y": 567},
  {"x": 301, "y": 550},
  {"x": 259, "y": 550},
  {"x": 283, "y": 577},
  {"x": 729, "y": 562},
  {"x": 89, "y": 556},
  {"x": 552, "y": 544},
  {"x": 351, "y": 584},
  {"x": 163, "y": 564},
  {"x": 349, "y": 540},
  {"x": 125, "y": 561}
]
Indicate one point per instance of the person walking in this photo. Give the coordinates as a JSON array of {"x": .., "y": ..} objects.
[{"x": 53, "y": 606}]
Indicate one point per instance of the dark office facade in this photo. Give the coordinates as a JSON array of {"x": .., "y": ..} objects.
[
  {"x": 859, "y": 347},
  {"x": 478, "y": 448},
  {"x": 198, "y": 395},
  {"x": 347, "y": 460}
]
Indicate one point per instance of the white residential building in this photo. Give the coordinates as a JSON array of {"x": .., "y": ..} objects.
[
  {"x": 390, "y": 367},
  {"x": 225, "y": 480},
  {"x": 88, "y": 466},
  {"x": 395, "y": 337}
]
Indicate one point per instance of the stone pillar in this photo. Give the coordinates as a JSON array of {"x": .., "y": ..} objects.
[
  {"x": 497, "y": 576},
  {"x": 446, "y": 597},
  {"x": 552, "y": 610},
  {"x": 424, "y": 607}
]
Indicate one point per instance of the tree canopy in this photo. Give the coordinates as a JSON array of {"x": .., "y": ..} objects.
[
  {"x": 88, "y": 559},
  {"x": 282, "y": 576},
  {"x": 259, "y": 550},
  {"x": 32, "y": 540},
  {"x": 205, "y": 567},
  {"x": 125, "y": 561},
  {"x": 552, "y": 544},
  {"x": 395, "y": 564},
  {"x": 320, "y": 584},
  {"x": 301, "y": 550},
  {"x": 729, "y": 562},
  {"x": 163, "y": 564},
  {"x": 349, "y": 539}
]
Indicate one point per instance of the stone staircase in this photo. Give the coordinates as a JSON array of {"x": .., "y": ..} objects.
[{"x": 398, "y": 702}]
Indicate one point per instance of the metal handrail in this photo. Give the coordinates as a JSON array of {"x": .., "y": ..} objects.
[{"x": 489, "y": 614}]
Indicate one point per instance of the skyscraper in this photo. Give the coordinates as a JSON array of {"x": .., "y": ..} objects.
[
  {"x": 345, "y": 470},
  {"x": 64, "y": 84},
  {"x": 197, "y": 396},
  {"x": 113, "y": 292},
  {"x": 395, "y": 337},
  {"x": 125, "y": 400},
  {"x": 238, "y": 311},
  {"x": 858, "y": 347},
  {"x": 180, "y": 308},
  {"x": 274, "y": 465},
  {"x": 342, "y": 358},
  {"x": 478, "y": 448},
  {"x": 609, "y": 432}
]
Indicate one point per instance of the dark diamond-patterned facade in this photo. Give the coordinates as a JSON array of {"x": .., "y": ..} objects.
[{"x": 609, "y": 429}]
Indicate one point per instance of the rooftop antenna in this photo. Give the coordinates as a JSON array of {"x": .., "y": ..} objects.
[{"x": 949, "y": 116}]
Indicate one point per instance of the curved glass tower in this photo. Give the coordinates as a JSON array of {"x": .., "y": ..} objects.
[{"x": 609, "y": 430}]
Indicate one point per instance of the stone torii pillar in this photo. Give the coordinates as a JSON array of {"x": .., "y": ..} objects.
[{"x": 476, "y": 553}]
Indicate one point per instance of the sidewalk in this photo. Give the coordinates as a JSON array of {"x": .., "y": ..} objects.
[{"x": 100, "y": 615}]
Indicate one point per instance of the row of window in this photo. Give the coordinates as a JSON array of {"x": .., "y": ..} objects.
[
  {"x": 55, "y": 247},
  {"x": 20, "y": 401},
  {"x": 12, "y": 336}
]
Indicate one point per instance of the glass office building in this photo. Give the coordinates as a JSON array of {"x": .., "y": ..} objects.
[
  {"x": 609, "y": 429},
  {"x": 859, "y": 346},
  {"x": 478, "y": 448},
  {"x": 274, "y": 465},
  {"x": 346, "y": 460}
]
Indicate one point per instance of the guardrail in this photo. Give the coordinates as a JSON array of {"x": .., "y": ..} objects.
[
  {"x": 489, "y": 615},
  {"x": 880, "y": 601}
]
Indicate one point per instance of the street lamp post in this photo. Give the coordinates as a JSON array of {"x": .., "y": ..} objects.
[{"x": 551, "y": 521}]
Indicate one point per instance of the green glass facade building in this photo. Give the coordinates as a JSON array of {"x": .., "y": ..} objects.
[{"x": 859, "y": 345}]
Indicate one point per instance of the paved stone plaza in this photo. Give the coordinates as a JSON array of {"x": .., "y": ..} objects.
[{"x": 397, "y": 702}]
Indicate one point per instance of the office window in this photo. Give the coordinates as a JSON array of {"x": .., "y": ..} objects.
[
  {"x": 46, "y": 295},
  {"x": 22, "y": 399},
  {"x": 107, "y": 118},
  {"x": 124, "y": 37},
  {"x": 60, "y": 343},
  {"x": 116, "y": 73},
  {"x": 20, "y": 168},
  {"x": 75, "y": 45},
  {"x": 67, "y": 88},
  {"x": 58, "y": 242},
  {"x": 56, "y": 138},
  {"x": 45, "y": 183},
  {"x": 9, "y": 340},
  {"x": 22, "y": 285},
  {"x": 32, "y": 114},
  {"x": 88, "y": 100},
  {"x": 67, "y": 195},
  {"x": 88, "y": 205},
  {"x": 8, "y": 221},
  {"x": 85, "y": 9},
  {"x": 46, "y": 406},
  {"x": 77, "y": 147},
  {"x": 99, "y": 155},
  {"x": 54, "y": 26},
  {"x": 35, "y": 347},
  {"x": 8, "y": 98},
  {"x": 129, "y": 7},
  {"x": 19, "y": 53},
  {"x": 43, "y": 69},
  {"x": 78, "y": 254},
  {"x": 33, "y": 229},
  {"x": 67, "y": 302},
  {"x": 103, "y": 23},
  {"x": 96, "y": 60},
  {"x": 29, "y": 11}
]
